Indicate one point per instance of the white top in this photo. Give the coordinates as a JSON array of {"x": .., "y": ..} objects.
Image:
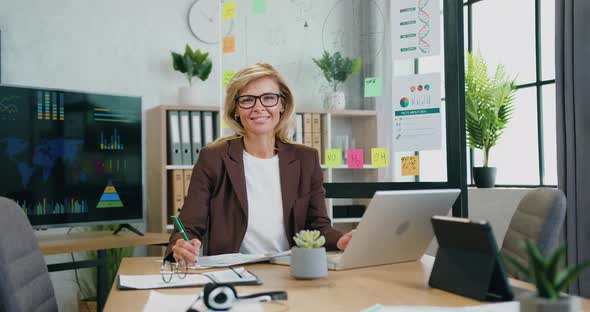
[{"x": 266, "y": 231}]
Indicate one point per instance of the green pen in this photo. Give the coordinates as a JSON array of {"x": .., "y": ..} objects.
[{"x": 180, "y": 227}]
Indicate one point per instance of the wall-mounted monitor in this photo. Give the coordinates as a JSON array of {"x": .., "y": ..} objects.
[{"x": 71, "y": 157}]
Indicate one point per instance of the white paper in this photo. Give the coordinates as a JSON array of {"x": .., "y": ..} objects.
[
  {"x": 155, "y": 281},
  {"x": 232, "y": 259},
  {"x": 158, "y": 302},
  {"x": 512, "y": 306},
  {"x": 415, "y": 28},
  {"x": 416, "y": 113}
]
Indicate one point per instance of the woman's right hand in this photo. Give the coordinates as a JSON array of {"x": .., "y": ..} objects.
[{"x": 186, "y": 250}]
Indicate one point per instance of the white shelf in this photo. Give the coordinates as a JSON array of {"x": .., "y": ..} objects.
[
  {"x": 345, "y": 220},
  {"x": 365, "y": 166},
  {"x": 173, "y": 167}
]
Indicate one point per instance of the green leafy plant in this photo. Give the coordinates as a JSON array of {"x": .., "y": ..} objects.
[
  {"x": 337, "y": 68},
  {"x": 547, "y": 274},
  {"x": 309, "y": 239},
  {"x": 192, "y": 64},
  {"x": 489, "y": 103},
  {"x": 113, "y": 260}
]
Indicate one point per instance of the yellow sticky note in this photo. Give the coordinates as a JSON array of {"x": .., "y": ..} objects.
[
  {"x": 223, "y": 124},
  {"x": 410, "y": 166},
  {"x": 229, "y": 10},
  {"x": 229, "y": 44},
  {"x": 333, "y": 157},
  {"x": 379, "y": 157},
  {"x": 227, "y": 76}
]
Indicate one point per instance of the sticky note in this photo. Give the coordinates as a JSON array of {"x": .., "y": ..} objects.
[
  {"x": 229, "y": 10},
  {"x": 356, "y": 158},
  {"x": 229, "y": 44},
  {"x": 410, "y": 166},
  {"x": 223, "y": 124},
  {"x": 333, "y": 157},
  {"x": 379, "y": 157},
  {"x": 258, "y": 7},
  {"x": 373, "y": 86},
  {"x": 227, "y": 76}
]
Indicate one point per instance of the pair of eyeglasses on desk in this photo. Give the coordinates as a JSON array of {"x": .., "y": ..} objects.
[
  {"x": 180, "y": 270},
  {"x": 171, "y": 269}
]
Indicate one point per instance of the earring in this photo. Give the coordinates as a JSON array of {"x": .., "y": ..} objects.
[{"x": 236, "y": 117}]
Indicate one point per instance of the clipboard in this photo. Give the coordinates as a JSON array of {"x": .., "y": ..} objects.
[
  {"x": 468, "y": 262},
  {"x": 225, "y": 277}
]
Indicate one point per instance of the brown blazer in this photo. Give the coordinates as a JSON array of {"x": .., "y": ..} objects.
[{"x": 217, "y": 193}]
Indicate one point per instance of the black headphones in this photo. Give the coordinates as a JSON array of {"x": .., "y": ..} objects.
[{"x": 221, "y": 297}]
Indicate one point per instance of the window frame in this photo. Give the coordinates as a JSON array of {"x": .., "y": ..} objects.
[{"x": 537, "y": 84}]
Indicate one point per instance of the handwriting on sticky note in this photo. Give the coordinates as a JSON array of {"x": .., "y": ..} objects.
[
  {"x": 229, "y": 44},
  {"x": 333, "y": 157},
  {"x": 410, "y": 166},
  {"x": 379, "y": 157},
  {"x": 356, "y": 158},
  {"x": 227, "y": 76},
  {"x": 229, "y": 10},
  {"x": 258, "y": 7},
  {"x": 373, "y": 86}
]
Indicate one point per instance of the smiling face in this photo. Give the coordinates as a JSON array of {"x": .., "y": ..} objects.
[{"x": 260, "y": 120}]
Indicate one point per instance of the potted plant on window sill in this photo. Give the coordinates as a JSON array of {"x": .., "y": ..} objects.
[
  {"x": 192, "y": 64},
  {"x": 336, "y": 69},
  {"x": 489, "y": 103},
  {"x": 308, "y": 258},
  {"x": 549, "y": 279}
]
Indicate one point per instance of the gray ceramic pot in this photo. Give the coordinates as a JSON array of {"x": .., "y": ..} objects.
[
  {"x": 531, "y": 303},
  {"x": 308, "y": 263}
]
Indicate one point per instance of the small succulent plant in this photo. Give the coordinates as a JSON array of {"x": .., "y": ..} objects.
[{"x": 309, "y": 239}]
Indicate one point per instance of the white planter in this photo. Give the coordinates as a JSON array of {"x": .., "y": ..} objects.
[
  {"x": 189, "y": 95},
  {"x": 335, "y": 101},
  {"x": 308, "y": 263},
  {"x": 532, "y": 303}
]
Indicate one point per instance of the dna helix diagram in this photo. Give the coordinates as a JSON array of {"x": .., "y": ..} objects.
[{"x": 424, "y": 31}]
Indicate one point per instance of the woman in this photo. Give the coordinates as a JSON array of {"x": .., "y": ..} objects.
[{"x": 254, "y": 190}]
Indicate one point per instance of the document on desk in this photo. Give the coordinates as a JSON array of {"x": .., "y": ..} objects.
[
  {"x": 512, "y": 306},
  {"x": 158, "y": 302},
  {"x": 232, "y": 259},
  {"x": 237, "y": 276}
]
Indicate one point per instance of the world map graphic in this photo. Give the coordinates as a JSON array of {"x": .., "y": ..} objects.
[{"x": 44, "y": 156}]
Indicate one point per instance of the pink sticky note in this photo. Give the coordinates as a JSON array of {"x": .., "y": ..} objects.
[{"x": 356, "y": 158}]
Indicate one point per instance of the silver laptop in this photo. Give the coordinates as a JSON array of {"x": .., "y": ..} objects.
[{"x": 395, "y": 228}]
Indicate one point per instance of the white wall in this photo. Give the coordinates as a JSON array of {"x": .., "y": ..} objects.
[{"x": 107, "y": 46}]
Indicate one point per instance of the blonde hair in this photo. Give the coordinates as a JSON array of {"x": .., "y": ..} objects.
[{"x": 285, "y": 128}]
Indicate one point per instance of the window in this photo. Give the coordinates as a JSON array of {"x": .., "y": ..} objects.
[{"x": 509, "y": 32}]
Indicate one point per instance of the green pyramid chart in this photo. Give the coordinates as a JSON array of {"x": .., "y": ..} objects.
[{"x": 110, "y": 198}]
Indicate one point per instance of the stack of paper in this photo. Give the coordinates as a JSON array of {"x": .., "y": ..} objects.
[
  {"x": 231, "y": 259},
  {"x": 512, "y": 306},
  {"x": 236, "y": 276},
  {"x": 158, "y": 302}
]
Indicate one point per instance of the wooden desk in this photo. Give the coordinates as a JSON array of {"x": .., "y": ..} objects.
[
  {"x": 350, "y": 290},
  {"x": 51, "y": 244}
]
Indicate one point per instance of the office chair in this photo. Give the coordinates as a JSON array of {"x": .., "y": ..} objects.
[
  {"x": 24, "y": 279},
  {"x": 538, "y": 218}
]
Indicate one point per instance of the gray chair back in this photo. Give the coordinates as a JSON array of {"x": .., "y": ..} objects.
[
  {"x": 538, "y": 218},
  {"x": 24, "y": 280}
]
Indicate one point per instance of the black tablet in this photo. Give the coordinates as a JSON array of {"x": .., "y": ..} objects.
[{"x": 467, "y": 261}]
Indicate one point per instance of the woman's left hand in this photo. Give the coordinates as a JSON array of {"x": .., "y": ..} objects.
[{"x": 343, "y": 241}]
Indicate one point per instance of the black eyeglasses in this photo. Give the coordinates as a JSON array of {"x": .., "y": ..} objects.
[{"x": 266, "y": 99}]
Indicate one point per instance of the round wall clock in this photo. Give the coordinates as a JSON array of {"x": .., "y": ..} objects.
[{"x": 203, "y": 21}]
